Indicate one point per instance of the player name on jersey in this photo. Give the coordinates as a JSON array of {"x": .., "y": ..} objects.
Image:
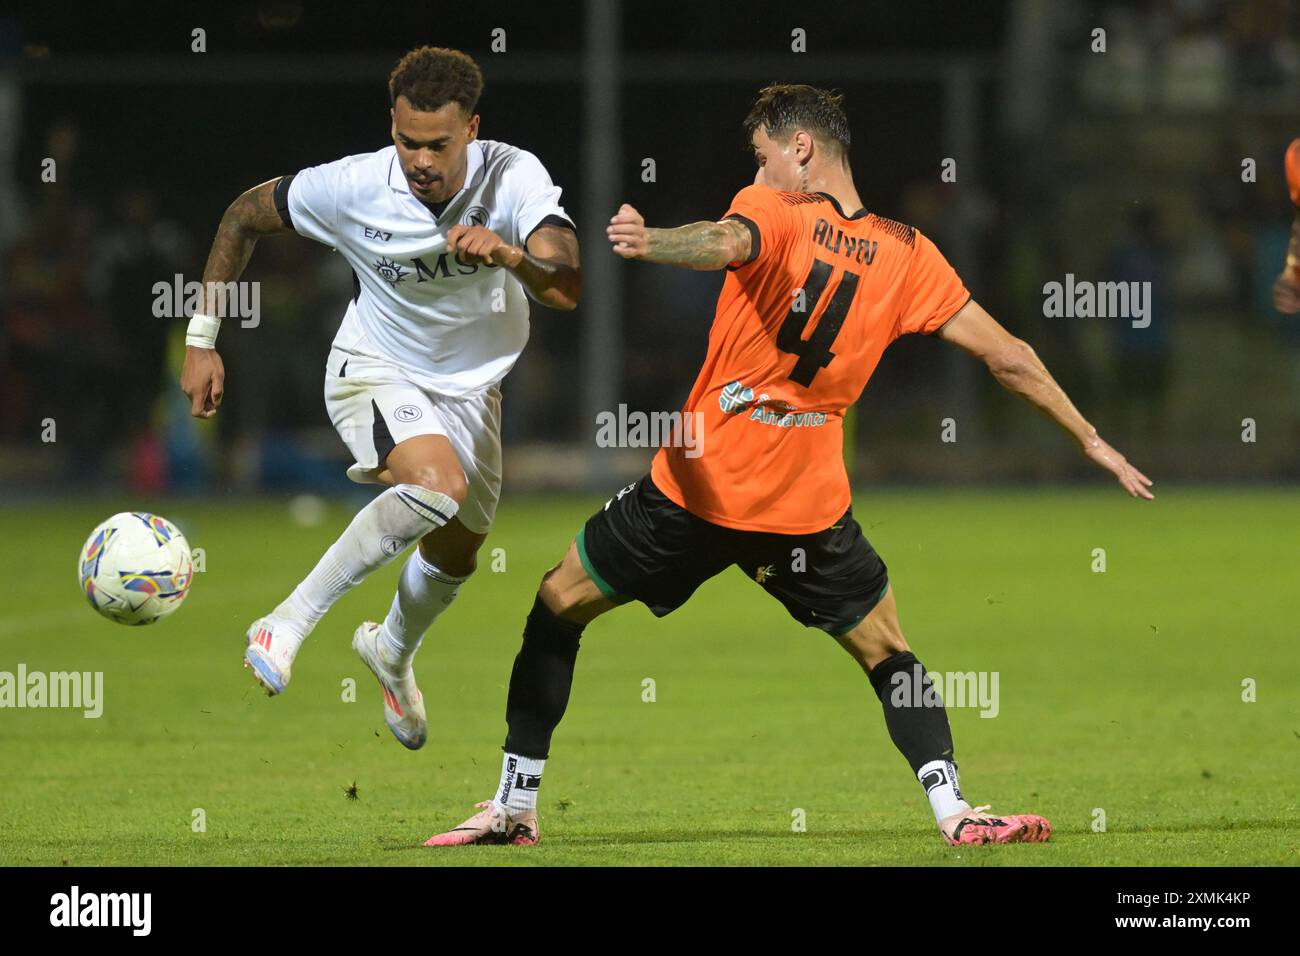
[{"x": 834, "y": 239}]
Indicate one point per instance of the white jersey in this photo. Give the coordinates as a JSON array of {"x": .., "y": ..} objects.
[{"x": 454, "y": 327}]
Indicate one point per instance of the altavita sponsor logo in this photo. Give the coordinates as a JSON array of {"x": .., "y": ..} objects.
[
  {"x": 737, "y": 398},
  {"x": 784, "y": 416}
]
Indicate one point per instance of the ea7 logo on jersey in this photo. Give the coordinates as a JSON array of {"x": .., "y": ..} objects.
[
  {"x": 377, "y": 234},
  {"x": 390, "y": 271}
]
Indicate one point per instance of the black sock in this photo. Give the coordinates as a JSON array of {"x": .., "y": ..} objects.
[
  {"x": 914, "y": 714},
  {"x": 540, "y": 682}
]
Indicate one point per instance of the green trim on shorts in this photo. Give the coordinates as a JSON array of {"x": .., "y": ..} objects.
[
  {"x": 879, "y": 597},
  {"x": 605, "y": 588}
]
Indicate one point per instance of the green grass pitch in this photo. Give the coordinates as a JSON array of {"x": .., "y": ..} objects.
[{"x": 1120, "y": 692}]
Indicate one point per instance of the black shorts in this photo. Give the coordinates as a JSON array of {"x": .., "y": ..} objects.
[{"x": 642, "y": 546}]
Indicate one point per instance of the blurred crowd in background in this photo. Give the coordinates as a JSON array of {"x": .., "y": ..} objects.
[{"x": 1132, "y": 164}]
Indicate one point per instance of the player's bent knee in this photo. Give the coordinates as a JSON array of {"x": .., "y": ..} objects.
[
  {"x": 459, "y": 563},
  {"x": 453, "y": 548},
  {"x": 570, "y": 593},
  {"x": 877, "y": 636},
  {"x": 453, "y": 484},
  {"x": 869, "y": 648},
  {"x": 559, "y": 594},
  {"x": 553, "y": 595},
  {"x": 887, "y": 645}
]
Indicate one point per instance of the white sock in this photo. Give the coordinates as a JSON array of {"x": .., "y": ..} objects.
[
  {"x": 423, "y": 592},
  {"x": 939, "y": 777},
  {"x": 520, "y": 779},
  {"x": 381, "y": 531}
]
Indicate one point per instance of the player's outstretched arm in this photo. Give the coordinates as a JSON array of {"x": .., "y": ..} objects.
[
  {"x": 248, "y": 218},
  {"x": 1016, "y": 366},
  {"x": 699, "y": 245},
  {"x": 549, "y": 267}
]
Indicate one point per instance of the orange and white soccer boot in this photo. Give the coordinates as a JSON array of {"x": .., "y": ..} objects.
[
  {"x": 272, "y": 646},
  {"x": 403, "y": 702}
]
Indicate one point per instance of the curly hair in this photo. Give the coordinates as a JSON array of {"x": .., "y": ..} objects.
[
  {"x": 784, "y": 107},
  {"x": 431, "y": 77}
]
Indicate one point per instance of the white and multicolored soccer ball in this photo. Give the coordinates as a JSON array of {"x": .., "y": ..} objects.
[{"x": 136, "y": 568}]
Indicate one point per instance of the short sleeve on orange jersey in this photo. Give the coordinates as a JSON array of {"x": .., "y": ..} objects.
[
  {"x": 768, "y": 218},
  {"x": 933, "y": 292}
]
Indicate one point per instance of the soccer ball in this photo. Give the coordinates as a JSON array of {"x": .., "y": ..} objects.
[{"x": 136, "y": 568}]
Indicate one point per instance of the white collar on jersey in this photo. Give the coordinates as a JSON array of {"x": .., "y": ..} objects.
[{"x": 473, "y": 171}]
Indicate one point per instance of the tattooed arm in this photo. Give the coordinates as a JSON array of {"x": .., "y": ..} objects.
[
  {"x": 247, "y": 219},
  {"x": 700, "y": 245},
  {"x": 549, "y": 268}
]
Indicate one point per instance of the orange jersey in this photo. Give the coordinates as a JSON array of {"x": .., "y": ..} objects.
[{"x": 798, "y": 330}]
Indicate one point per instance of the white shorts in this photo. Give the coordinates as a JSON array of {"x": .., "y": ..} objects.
[{"x": 375, "y": 405}]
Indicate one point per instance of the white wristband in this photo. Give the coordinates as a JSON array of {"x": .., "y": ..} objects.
[{"x": 202, "y": 331}]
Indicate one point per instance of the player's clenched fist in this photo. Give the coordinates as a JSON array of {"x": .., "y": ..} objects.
[
  {"x": 203, "y": 379},
  {"x": 475, "y": 244},
  {"x": 627, "y": 232}
]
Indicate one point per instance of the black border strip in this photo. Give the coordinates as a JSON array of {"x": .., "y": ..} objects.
[
  {"x": 551, "y": 219},
  {"x": 756, "y": 244},
  {"x": 965, "y": 302},
  {"x": 281, "y": 195}
]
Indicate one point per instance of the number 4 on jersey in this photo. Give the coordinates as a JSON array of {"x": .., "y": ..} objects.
[{"x": 815, "y": 352}]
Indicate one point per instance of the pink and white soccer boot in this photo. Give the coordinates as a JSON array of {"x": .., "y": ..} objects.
[
  {"x": 975, "y": 827},
  {"x": 492, "y": 824}
]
